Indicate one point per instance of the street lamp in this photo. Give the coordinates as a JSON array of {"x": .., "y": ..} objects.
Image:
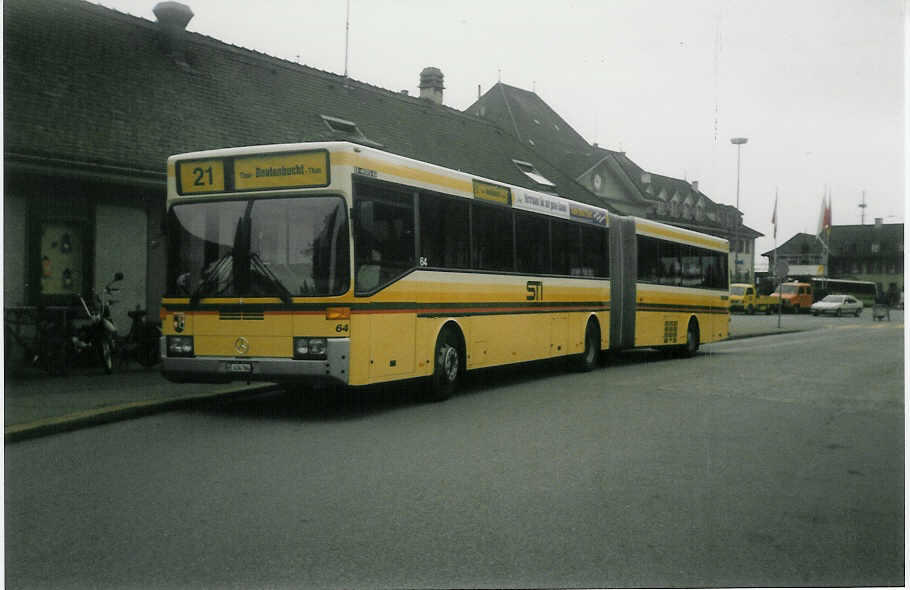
[{"x": 738, "y": 142}]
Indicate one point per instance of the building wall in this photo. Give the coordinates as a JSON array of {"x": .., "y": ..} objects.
[
  {"x": 115, "y": 219},
  {"x": 15, "y": 216},
  {"x": 121, "y": 246}
]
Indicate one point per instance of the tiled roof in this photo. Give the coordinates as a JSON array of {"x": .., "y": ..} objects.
[
  {"x": 800, "y": 243},
  {"x": 532, "y": 121},
  {"x": 84, "y": 83}
]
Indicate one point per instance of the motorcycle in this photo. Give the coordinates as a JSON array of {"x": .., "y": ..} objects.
[
  {"x": 99, "y": 333},
  {"x": 142, "y": 341}
]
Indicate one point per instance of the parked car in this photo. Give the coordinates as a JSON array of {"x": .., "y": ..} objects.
[{"x": 838, "y": 305}]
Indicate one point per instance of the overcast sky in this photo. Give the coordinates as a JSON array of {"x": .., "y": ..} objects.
[{"x": 817, "y": 86}]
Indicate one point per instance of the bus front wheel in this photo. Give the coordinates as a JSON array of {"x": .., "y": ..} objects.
[
  {"x": 447, "y": 368},
  {"x": 588, "y": 359}
]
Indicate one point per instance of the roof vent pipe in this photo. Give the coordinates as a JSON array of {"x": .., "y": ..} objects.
[
  {"x": 172, "y": 20},
  {"x": 431, "y": 84}
]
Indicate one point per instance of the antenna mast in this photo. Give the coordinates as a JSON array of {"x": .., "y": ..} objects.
[
  {"x": 347, "y": 29},
  {"x": 862, "y": 208}
]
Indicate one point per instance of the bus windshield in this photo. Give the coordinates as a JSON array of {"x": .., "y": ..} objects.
[
  {"x": 259, "y": 248},
  {"x": 787, "y": 290},
  {"x": 737, "y": 290}
]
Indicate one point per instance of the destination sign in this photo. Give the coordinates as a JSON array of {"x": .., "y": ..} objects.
[
  {"x": 200, "y": 176},
  {"x": 492, "y": 192},
  {"x": 298, "y": 170}
]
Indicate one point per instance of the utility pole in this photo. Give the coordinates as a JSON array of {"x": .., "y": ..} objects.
[
  {"x": 347, "y": 29},
  {"x": 738, "y": 142}
]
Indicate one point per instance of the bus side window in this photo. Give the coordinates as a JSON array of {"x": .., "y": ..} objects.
[
  {"x": 384, "y": 245},
  {"x": 532, "y": 243},
  {"x": 491, "y": 232},
  {"x": 444, "y": 231}
]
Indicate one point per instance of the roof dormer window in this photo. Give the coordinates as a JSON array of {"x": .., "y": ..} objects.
[
  {"x": 531, "y": 172},
  {"x": 348, "y": 130},
  {"x": 342, "y": 126}
]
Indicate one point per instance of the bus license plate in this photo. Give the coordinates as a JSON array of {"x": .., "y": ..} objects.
[{"x": 240, "y": 367}]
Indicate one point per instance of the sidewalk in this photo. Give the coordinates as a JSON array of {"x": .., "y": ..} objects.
[{"x": 36, "y": 404}]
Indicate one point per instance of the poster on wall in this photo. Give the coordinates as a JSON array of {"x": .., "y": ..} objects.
[{"x": 61, "y": 258}]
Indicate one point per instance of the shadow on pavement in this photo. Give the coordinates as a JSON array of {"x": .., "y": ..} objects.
[{"x": 327, "y": 403}]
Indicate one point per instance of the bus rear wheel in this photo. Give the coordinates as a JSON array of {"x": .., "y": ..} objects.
[
  {"x": 447, "y": 367},
  {"x": 689, "y": 349}
]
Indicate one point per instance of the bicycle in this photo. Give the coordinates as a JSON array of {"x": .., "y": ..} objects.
[{"x": 46, "y": 347}]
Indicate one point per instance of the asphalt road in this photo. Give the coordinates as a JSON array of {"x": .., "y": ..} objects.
[{"x": 768, "y": 461}]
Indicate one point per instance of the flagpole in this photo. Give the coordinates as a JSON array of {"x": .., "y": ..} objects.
[{"x": 779, "y": 291}]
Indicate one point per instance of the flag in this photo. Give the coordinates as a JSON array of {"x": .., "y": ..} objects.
[
  {"x": 774, "y": 215},
  {"x": 824, "y": 217},
  {"x": 821, "y": 216}
]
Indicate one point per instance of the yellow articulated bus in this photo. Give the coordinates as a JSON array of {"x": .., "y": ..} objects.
[{"x": 333, "y": 261}]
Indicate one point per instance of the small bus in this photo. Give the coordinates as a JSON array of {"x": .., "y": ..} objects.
[{"x": 338, "y": 262}]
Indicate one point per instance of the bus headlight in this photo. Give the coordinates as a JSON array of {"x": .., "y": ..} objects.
[
  {"x": 309, "y": 348},
  {"x": 180, "y": 346}
]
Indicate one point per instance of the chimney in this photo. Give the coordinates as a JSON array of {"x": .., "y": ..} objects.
[
  {"x": 172, "y": 20},
  {"x": 431, "y": 84},
  {"x": 878, "y": 222},
  {"x": 695, "y": 185}
]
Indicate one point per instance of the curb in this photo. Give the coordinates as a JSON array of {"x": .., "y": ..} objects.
[
  {"x": 108, "y": 414},
  {"x": 775, "y": 333}
]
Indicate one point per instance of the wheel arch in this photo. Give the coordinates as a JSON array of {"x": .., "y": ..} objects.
[{"x": 453, "y": 325}]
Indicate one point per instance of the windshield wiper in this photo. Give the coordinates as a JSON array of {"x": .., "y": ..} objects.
[
  {"x": 211, "y": 277},
  {"x": 261, "y": 266}
]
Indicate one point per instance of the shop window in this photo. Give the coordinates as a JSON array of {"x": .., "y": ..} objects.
[
  {"x": 60, "y": 253},
  {"x": 62, "y": 259}
]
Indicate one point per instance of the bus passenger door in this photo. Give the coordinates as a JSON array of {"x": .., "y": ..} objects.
[{"x": 623, "y": 276}]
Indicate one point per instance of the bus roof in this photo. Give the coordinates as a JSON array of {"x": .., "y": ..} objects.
[{"x": 371, "y": 162}]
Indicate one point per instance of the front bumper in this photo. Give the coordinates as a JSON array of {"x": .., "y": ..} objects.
[{"x": 219, "y": 369}]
